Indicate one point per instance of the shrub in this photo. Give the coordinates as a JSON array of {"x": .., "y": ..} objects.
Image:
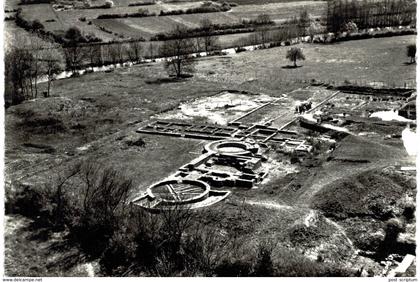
[
  {"x": 140, "y": 14},
  {"x": 108, "y": 4},
  {"x": 141, "y": 4},
  {"x": 98, "y": 207},
  {"x": 409, "y": 211},
  {"x": 29, "y": 2},
  {"x": 301, "y": 234},
  {"x": 411, "y": 52},
  {"x": 36, "y": 25},
  {"x": 350, "y": 27},
  {"x": 25, "y": 200},
  {"x": 32, "y": 26},
  {"x": 236, "y": 268},
  {"x": 92, "y": 213},
  {"x": 393, "y": 227},
  {"x": 139, "y": 142},
  {"x": 264, "y": 264},
  {"x": 206, "y": 7},
  {"x": 41, "y": 124},
  {"x": 293, "y": 264},
  {"x": 240, "y": 49}
]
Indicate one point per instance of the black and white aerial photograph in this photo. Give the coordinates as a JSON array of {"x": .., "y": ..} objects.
[{"x": 209, "y": 138}]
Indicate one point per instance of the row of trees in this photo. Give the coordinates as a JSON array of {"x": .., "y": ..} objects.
[
  {"x": 25, "y": 64},
  {"x": 178, "y": 50},
  {"x": 28, "y": 62},
  {"x": 369, "y": 13},
  {"x": 78, "y": 55}
]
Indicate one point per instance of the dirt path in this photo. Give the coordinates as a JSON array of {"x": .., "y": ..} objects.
[{"x": 270, "y": 205}]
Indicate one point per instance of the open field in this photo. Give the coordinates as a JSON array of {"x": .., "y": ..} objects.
[
  {"x": 149, "y": 26},
  {"x": 15, "y": 36},
  {"x": 361, "y": 63},
  {"x": 134, "y": 91}
]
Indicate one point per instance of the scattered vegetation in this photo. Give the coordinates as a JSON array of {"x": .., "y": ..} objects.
[
  {"x": 374, "y": 192},
  {"x": 89, "y": 201}
]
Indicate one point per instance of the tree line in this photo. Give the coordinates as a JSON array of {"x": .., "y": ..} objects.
[
  {"x": 25, "y": 64},
  {"x": 369, "y": 13}
]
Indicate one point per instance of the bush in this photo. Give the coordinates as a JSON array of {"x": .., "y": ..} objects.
[
  {"x": 237, "y": 268},
  {"x": 29, "y": 2},
  {"x": 140, "y": 14},
  {"x": 264, "y": 264},
  {"x": 350, "y": 27},
  {"x": 36, "y": 25},
  {"x": 98, "y": 206},
  {"x": 293, "y": 264},
  {"x": 24, "y": 200},
  {"x": 31, "y": 26},
  {"x": 301, "y": 234},
  {"x": 206, "y": 7},
  {"x": 108, "y": 4},
  {"x": 240, "y": 49},
  {"x": 409, "y": 211},
  {"x": 91, "y": 212},
  {"x": 42, "y": 124},
  {"x": 141, "y": 4}
]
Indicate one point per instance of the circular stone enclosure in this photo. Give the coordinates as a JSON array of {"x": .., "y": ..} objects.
[
  {"x": 179, "y": 191},
  {"x": 232, "y": 147}
]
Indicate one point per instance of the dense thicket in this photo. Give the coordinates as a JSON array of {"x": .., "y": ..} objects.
[{"x": 90, "y": 202}]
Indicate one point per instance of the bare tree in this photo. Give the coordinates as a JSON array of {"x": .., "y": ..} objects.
[
  {"x": 134, "y": 51},
  {"x": 116, "y": 53},
  {"x": 303, "y": 22},
  {"x": 52, "y": 63},
  {"x": 57, "y": 194},
  {"x": 74, "y": 53},
  {"x": 94, "y": 54},
  {"x": 178, "y": 53},
  {"x": 119, "y": 48},
  {"x": 263, "y": 35},
  {"x": 208, "y": 40},
  {"x": 74, "y": 57},
  {"x": 17, "y": 73},
  {"x": 36, "y": 46},
  {"x": 294, "y": 54},
  {"x": 151, "y": 50}
]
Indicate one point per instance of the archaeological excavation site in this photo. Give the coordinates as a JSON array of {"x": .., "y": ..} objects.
[
  {"x": 272, "y": 138},
  {"x": 318, "y": 173}
]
